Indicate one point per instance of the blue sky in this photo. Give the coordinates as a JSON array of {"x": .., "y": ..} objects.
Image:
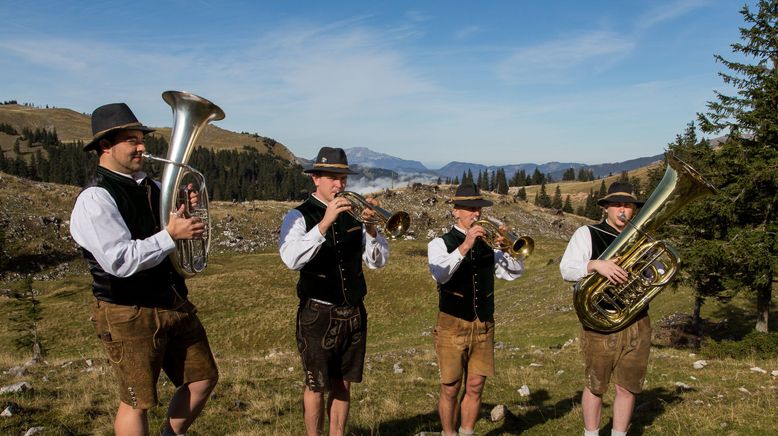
[{"x": 490, "y": 82}]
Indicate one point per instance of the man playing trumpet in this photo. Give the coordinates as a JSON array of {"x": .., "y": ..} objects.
[
  {"x": 464, "y": 267},
  {"x": 328, "y": 247}
]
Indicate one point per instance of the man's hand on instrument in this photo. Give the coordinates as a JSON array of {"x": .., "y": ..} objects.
[
  {"x": 472, "y": 235},
  {"x": 368, "y": 214},
  {"x": 610, "y": 270},
  {"x": 194, "y": 196},
  {"x": 179, "y": 227},
  {"x": 334, "y": 208}
]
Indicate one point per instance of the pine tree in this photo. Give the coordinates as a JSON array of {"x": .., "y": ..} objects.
[
  {"x": 522, "y": 194},
  {"x": 568, "y": 206},
  {"x": 556, "y": 202},
  {"x": 569, "y": 175},
  {"x": 746, "y": 165}
]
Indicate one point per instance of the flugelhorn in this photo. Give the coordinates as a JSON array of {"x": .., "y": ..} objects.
[
  {"x": 190, "y": 115},
  {"x": 519, "y": 247},
  {"x": 394, "y": 224}
]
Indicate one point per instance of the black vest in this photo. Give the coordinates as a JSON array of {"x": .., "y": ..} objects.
[
  {"x": 470, "y": 291},
  {"x": 334, "y": 274},
  {"x": 139, "y": 208},
  {"x": 602, "y": 236}
]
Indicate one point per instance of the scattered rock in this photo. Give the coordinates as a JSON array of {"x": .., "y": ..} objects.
[
  {"x": 15, "y": 388},
  {"x": 17, "y": 371},
  {"x": 498, "y": 413},
  {"x": 758, "y": 369},
  {"x": 398, "y": 369},
  {"x": 682, "y": 386},
  {"x": 11, "y": 410},
  {"x": 744, "y": 390},
  {"x": 535, "y": 365},
  {"x": 34, "y": 430},
  {"x": 524, "y": 391},
  {"x": 774, "y": 373},
  {"x": 700, "y": 364}
]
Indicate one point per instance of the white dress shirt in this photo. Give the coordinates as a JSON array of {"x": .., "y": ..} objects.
[
  {"x": 298, "y": 246},
  {"x": 97, "y": 226},
  {"x": 578, "y": 253},
  {"x": 443, "y": 264}
]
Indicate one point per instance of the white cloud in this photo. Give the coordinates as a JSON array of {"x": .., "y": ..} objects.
[
  {"x": 561, "y": 60},
  {"x": 667, "y": 12}
]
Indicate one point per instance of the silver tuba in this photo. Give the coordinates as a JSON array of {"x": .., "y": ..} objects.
[
  {"x": 518, "y": 247},
  {"x": 650, "y": 264},
  {"x": 191, "y": 113},
  {"x": 394, "y": 224}
]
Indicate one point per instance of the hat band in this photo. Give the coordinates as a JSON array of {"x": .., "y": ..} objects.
[
  {"x": 123, "y": 126},
  {"x": 476, "y": 197},
  {"x": 330, "y": 165},
  {"x": 616, "y": 194}
]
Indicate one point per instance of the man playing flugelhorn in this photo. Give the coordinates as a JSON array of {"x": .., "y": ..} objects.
[
  {"x": 464, "y": 267},
  {"x": 328, "y": 247}
]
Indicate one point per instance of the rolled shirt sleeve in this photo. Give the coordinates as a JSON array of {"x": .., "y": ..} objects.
[{"x": 97, "y": 226}]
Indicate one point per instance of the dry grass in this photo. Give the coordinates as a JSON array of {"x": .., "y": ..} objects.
[{"x": 247, "y": 304}]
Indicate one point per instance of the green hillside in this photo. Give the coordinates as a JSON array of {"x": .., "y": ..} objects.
[{"x": 247, "y": 302}]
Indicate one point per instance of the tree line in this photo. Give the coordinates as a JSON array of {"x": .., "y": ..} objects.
[{"x": 232, "y": 175}]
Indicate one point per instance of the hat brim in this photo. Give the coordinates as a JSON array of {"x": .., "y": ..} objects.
[
  {"x": 472, "y": 203},
  {"x": 314, "y": 169},
  {"x": 603, "y": 202},
  {"x": 93, "y": 144}
]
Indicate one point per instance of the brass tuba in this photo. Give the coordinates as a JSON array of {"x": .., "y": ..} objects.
[
  {"x": 519, "y": 247},
  {"x": 191, "y": 113},
  {"x": 394, "y": 224},
  {"x": 650, "y": 264}
]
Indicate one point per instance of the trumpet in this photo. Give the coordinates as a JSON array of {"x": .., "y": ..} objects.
[
  {"x": 519, "y": 247},
  {"x": 394, "y": 224}
]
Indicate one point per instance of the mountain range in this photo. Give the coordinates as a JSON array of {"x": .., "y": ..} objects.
[
  {"x": 364, "y": 157},
  {"x": 72, "y": 126}
]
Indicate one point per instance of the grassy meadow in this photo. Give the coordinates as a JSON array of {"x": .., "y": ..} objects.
[{"x": 247, "y": 303}]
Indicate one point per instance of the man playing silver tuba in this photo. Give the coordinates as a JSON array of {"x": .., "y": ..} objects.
[
  {"x": 141, "y": 311},
  {"x": 622, "y": 355}
]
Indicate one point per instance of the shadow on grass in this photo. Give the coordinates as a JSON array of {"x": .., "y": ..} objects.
[
  {"x": 34, "y": 263},
  {"x": 427, "y": 422},
  {"x": 540, "y": 413},
  {"x": 649, "y": 406}
]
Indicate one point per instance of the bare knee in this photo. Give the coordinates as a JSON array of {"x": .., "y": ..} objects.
[{"x": 450, "y": 390}]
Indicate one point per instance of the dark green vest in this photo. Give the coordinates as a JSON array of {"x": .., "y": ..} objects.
[
  {"x": 470, "y": 291},
  {"x": 139, "y": 207},
  {"x": 335, "y": 273}
]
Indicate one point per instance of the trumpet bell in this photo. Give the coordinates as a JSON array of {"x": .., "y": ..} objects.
[{"x": 398, "y": 224}]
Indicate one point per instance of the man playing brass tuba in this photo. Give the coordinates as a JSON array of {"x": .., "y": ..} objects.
[
  {"x": 622, "y": 355},
  {"x": 141, "y": 311},
  {"x": 328, "y": 247}
]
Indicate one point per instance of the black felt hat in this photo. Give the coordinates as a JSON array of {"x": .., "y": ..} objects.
[
  {"x": 468, "y": 195},
  {"x": 330, "y": 160},
  {"x": 110, "y": 118},
  {"x": 620, "y": 192}
]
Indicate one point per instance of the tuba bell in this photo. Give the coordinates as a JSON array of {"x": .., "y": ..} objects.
[
  {"x": 650, "y": 264},
  {"x": 519, "y": 247},
  {"x": 190, "y": 115},
  {"x": 394, "y": 224}
]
